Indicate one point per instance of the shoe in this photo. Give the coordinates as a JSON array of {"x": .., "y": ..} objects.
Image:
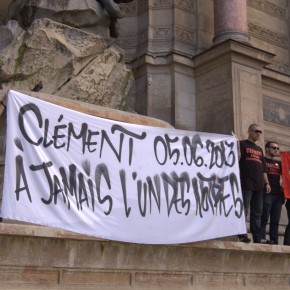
[
  {"x": 265, "y": 241},
  {"x": 244, "y": 239}
]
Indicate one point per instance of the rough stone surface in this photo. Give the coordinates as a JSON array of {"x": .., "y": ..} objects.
[
  {"x": 9, "y": 33},
  {"x": 85, "y": 14},
  {"x": 103, "y": 81},
  {"x": 63, "y": 61}
]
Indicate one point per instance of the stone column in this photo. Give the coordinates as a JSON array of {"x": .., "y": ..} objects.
[{"x": 230, "y": 20}]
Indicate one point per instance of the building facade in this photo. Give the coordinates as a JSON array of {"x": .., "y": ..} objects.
[
  {"x": 211, "y": 65},
  {"x": 204, "y": 65}
]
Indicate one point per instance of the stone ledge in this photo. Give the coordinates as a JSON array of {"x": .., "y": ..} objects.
[
  {"x": 93, "y": 110},
  {"x": 141, "y": 280},
  {"x": 26, "y": 230},
  {"x": 30, "y": 261}
]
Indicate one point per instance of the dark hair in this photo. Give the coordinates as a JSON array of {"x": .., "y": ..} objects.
[{"x": 269, "y": 143}]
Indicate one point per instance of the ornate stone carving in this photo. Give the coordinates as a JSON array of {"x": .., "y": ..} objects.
[
  {"x": 162, "y": 3},
  {"x": 129, "y": 9},
  {"x": 188, "y": 5},
  {"x": 127, "y": 41},
  {"x": 269, "y": 8},
  {"x": 279, "y": 67},
  {"x": 276, "y": 111},
  {"x": 185, "y": 35},
  {"x": 162, "y": 32},
  {"x": 268, "y": 35}
]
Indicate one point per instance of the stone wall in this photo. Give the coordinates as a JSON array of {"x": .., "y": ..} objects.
[
  {"x": 157, "y": 50},
  {"x": 268, "y": 23},
  {"x": 181, "y": 78},
  {"x": 46, "y": 258}
]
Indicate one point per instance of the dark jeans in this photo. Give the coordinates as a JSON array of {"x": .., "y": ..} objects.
[
  {"x": 287, "y": 231},
  {"x": 254, "y": 200},
  {"x": 272, "y": 206}
]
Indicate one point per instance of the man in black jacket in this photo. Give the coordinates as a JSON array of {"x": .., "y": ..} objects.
[
  {"x": 273, "y": 200},
  {"x": 254, "y": 179}
]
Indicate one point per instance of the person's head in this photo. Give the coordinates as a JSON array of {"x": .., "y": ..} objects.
[
  {"x": 254, "y": 132},
  {"x": 272, "y": 149}
]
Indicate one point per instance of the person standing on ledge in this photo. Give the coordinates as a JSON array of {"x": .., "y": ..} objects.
[
  {"x": 287, "y": 230},
  {"x": 285, "y": 159},
  {"x": 273, "y": 200},
  {"x": 253, "y": 175}
]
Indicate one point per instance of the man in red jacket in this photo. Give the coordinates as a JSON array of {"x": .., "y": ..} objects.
[{"x": 285, "y": 158}]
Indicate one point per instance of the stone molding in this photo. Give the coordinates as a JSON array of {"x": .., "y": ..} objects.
[
  {"x": 187, "y": 5},
  {"x": 156, "y": 39},
  {"x": 279, "y": 67},
  {"x": 269, "y": 35},
  {"x": 160, "y": 3},
  {"x": 238, "y": 52},
  {"x": 269, "y": 8}
]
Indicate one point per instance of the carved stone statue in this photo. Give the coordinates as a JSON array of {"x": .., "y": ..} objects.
[
  {"x": 45, "y": 47},
  {"x": 90, "y": 15},
  {"x": 114, "y": 12}
]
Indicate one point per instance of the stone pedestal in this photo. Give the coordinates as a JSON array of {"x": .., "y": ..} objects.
[{"x": 229, "y": 88}]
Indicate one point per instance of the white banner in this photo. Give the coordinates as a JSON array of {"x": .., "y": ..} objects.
[{"x": 118, "y": 181}]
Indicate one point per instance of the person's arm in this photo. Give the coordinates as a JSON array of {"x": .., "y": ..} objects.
[
  {"x": 239, "y": 149},
  {"x": 238, "y": 144},
  {"x": 267, "y": 184}
]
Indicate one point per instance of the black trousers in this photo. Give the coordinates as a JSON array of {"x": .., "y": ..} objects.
[{"x": 272, "y": 206}]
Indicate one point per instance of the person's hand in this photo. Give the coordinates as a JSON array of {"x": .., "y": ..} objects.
[
  {"x": 267, "y": 188},
  {"x": 237, "y": 138}
]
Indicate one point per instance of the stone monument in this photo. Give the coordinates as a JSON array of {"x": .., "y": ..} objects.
[{"x": 65, "y": 48}]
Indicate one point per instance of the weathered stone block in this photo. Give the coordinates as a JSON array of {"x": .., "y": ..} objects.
[{"x": 67, "y": 62}]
